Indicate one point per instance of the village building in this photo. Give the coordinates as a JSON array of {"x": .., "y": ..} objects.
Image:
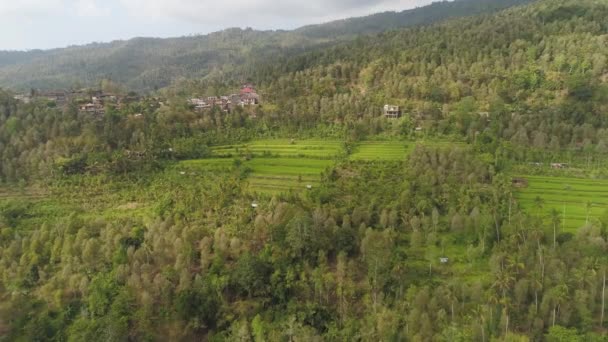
[
  {"x": 559, "y": 165},
  {"x": 59, "y": 97},
  {"x": 247, "y": 97},
  {"x": 92, "y": 109},
  {"x": 392, "y": 112},
  {"x": 23, "y": 98}
]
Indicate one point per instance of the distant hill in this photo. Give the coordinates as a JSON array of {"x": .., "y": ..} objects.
[
  {"x": 379, "y": 22},
  {"x": 146, "y": 64}
]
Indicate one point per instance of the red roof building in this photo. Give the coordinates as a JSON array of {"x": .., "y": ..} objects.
[{"x": 247, "y": 90}]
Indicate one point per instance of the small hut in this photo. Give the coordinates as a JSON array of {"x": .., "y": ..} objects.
[
  {"x": 559, "y": 166},
  {"x": 519, "y": 182}
]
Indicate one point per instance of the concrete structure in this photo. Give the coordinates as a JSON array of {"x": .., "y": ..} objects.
[{"x": 392, "y": 112}]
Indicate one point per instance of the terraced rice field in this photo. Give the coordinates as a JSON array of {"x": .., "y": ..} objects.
[
  {"x": 277, "y": 165},
  {"x": 269, "y": 175},
  {"x": 274, "y": 175},
  {"x": 212, "y": 164},
  {"x": 282, "y": 165},
  {"x": 391, "y": 150},
  {"x": 571, "y": 194},
  {"x": 317, "y": 149},
  {"x": 15, "y": 194},
  {"x": 381, "y": 150}
]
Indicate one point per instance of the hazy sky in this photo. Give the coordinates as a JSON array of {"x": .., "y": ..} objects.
[{"x": 30, "y": 24}]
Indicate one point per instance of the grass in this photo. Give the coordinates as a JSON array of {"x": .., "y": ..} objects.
[
  {"x": 212, "y": 164},
  {"x": 316, "y": 149},
  {"x": 284, "y": 165},
  {"x": 279, "y": 165},
  {"x": 58, "y": 204},
  {"x": 381, "y": 151},
  {"x": 268, "y": 175},
  {"x": 391, "y": 150},
  {"x": 274, "y": 175},
  {"x": 565, "y": 194}
]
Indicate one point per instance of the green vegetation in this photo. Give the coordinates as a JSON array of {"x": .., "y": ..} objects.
[
  {"x": 381, "y": 150},
  {"x": 141, "y": 227},
  {"x": 392, "y": 150},
  {"x": 265, "y": 175},
  {"x": 272, "y": 166},
  {"x": 316, "y": 149},
  {"x": 576, "y": 201},
  {"x": 146, "y": 64},
  {"x": 276, "y": 175}
]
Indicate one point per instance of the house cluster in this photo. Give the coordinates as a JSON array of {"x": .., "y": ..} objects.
[
  {"x": 247, "y": 97},
  {"x": 59, "y": 97},
  {"x": 96, "y": 103},
  {"x": 23, "y": 98},
  {"x": 88, "y": 101}
]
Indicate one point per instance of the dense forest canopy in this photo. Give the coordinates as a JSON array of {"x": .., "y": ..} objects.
[
  {"x": 146, "y": 222},
  {"x": 146, "y": 64}
]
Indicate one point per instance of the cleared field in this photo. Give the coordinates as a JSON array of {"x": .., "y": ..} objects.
[
  {"x": 283, "y": 165},
  {"x": 212, "y": 164},
  {"x": 319, "y": 149},
  {"x": 273, "y": 175},
  {"x": 571, "y": 195},
  {"x": 269, "y": 175},
  {"x": 382, "y": 150},
  {"x": 278, "y": 165},
  {"x": 392, "y": 150}
]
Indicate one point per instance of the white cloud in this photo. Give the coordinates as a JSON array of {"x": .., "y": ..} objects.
[
  {"x": 61, "y": 8},
  {"x": 90, "y": 8},
  {"x": 260, "y": 13},
  {"x": 55, "y": 23},
  {"x": 29, "y": 7}
]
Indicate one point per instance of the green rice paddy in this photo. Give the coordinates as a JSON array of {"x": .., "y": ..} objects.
[
  {"x": 382, "y": 150},
  {"x": 276, "y": 166},
  {"x": 285, "y": 165},
  {"x": 319, "y": 149},
  {"x": 578, "y": 198},
  {"x": 284, "y": 174}
]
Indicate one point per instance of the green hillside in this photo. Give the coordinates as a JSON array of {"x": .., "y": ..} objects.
[
  {"x": 475, "y": 212},
  {"x": 146, "y": 64}
]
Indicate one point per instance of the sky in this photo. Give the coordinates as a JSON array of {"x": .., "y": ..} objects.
[{"x": 45, "y": 24}]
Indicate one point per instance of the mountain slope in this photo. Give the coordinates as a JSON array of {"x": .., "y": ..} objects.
[
  {"x": 434, "y": 12},
  {"x": 148, "y": 63},
  {"x": 548, "y": 57}
]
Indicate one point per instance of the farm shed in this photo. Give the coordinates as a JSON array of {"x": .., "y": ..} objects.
[{"x": 519, "y": 182}]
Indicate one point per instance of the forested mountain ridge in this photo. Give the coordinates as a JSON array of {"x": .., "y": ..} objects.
[
  {"x": 148, "y": 64},
  {"x": 545, "y": 60},
  {"x": 380, "y": 22}
]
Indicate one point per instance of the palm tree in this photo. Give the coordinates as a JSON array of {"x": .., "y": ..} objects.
[
  {"x": 539, "y": 203},
  {"x": 537, "y": 285},
  {"x": 603, "y": 297},
  {"x": 502, "y": 284},
  {"x": 480, "y": 311},
  {"x": 588, "y": 206},
  {"x": 560, "y": 296},
  {"x": 555, "y": 218}
]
